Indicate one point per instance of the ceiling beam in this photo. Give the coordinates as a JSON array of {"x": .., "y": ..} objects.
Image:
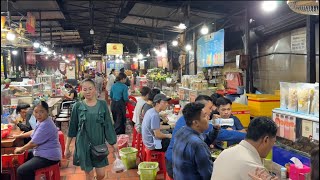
[
  {"x": 153, "y": 17},
  {"x": 168, "y": 5}
]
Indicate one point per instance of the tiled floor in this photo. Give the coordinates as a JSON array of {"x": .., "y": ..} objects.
[{"x": 70, "y": 172}]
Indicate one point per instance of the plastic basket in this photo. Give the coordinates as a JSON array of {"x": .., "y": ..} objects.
[
  {"x": 148, "y": 170},
  {"x": 129, "y": 157},
  {"x": 13, "y": 160}
]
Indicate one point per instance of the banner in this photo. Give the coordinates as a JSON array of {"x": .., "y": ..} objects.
[
  {"x": 210, "y": 49},
  {"x": 31, "y": 23},
  {"x": 30, "y": 56},
  {"x": 3, "y": 21},
  {"x": 114, "y": 49}
]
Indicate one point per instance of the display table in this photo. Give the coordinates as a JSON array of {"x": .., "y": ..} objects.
[
  {"x": 52, "y": 101},
  {"x": 10, "y": 142}
]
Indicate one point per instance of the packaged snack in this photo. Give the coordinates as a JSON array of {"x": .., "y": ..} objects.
[
  {"x": 316, "y": 100},
  {"x": 284, "y": 91},
  {"x": 292, "y": 97},
  {"x": 305, "y": 94}
]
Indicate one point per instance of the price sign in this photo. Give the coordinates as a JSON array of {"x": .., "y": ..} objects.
[
  {"x": 181, "y": 94},
  {"x": 192, "y": 96}
]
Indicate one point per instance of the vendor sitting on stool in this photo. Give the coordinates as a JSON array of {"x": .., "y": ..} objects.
[
  {"x": 46, "y": 149},
  {"x": 25, "y": 120},
  {"x": 72, "y": 94}
]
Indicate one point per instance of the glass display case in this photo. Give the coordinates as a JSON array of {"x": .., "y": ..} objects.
[
  {"x": 5, "y": 98},
  {"x": 48, "y": 82},
  {"x": 24, "y": 93}
]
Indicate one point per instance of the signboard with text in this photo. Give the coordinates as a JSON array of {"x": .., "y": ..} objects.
[
  {"x": 114, "y": 49},
  {"x": 210, "y": 49}
]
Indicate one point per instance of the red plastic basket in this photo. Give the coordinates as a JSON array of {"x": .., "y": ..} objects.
[
  {"x": 6, "y": 132},
  {"x": 13, "y": 160}
]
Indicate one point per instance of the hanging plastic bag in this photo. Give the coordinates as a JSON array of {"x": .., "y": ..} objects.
[
  {"x": 243, "y": 99},
  {"x": 284, "y": 92},
  {"x": 118, "y": 166}
]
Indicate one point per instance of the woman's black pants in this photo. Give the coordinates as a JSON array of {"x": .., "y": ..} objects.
[
  {"x": 118, "y": 109},
  {"x": 27, "y": 170}
]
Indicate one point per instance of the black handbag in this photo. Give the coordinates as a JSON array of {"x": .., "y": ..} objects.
[{"x": 98, "y": 152}]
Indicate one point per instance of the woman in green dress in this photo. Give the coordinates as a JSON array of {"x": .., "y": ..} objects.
[{"x": 94, "y": 115}]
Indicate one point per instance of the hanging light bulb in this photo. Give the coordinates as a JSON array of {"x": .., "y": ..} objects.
[
  {"x": 14, "y": 52},
  {"x": 140, "y": 56},
  {"x": 148, "y": 55},
  {"x": 49, "y": 52},
  {"x": 11, "y": 36},
  {"x": 67, "y": 61},
  {"x": 45, "y": 49},
  {"x": 63, "y": 57},
  {"x": 54, "y": 53},
  {"x": 91, "y": 31},
  {"x": 188, "y": 47},
  {"x": 182, "y": 26},
  {"x": 36, "y": 45},
  {"x": 135, "y": 59},
  {"x": 174, "y": 43},
  {"x": 204, "y": 30}
]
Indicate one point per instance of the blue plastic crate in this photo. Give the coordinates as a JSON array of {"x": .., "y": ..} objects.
[{"x": 282, "y": 156}]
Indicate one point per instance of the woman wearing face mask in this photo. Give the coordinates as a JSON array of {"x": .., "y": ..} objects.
[
  {"x": 46, "y": 149},
  {"x": 90, "y": 122},
  {"x": 119, "y": 97}
]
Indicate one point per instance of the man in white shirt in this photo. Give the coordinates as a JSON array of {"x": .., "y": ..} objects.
[
  {"x": 237, "y": 162},
  {"x": 140, "y": 102},
  {"x": 111, "y": 80}
]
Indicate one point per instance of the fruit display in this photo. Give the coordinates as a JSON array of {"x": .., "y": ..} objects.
[
  {"x": 157, "y": 74},
  {"x": 303, "y": 145},
  {"x": 128, "y": 72}
]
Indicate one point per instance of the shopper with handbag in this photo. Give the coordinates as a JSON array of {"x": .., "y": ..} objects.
[{"x": 91, "y": 124}]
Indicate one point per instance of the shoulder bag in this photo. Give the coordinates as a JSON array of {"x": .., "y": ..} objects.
[{"x": 98, "y": 152}]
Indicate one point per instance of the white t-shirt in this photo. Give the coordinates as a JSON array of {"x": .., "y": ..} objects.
[
  {"x": 137, "y": 110},
  {"x": 111, "y": 80},
  {"x": 236, "y": 162}
]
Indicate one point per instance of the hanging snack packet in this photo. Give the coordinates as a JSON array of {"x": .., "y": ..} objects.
[{"x": 284, "y": 92}]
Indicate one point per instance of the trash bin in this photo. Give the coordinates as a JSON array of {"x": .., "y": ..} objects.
[
  {"x": 128, "y": 157},
  {"x": 148, "y": 170}
]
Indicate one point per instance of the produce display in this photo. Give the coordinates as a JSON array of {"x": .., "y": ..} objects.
[
  {"x": 157, "y": 74},
  {"x": 303, "y": 145}
]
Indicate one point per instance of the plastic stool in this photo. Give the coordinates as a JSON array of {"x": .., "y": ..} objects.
[
  {"x": 167, "y": 177},
  {"x": 61, "y": 140},
  {"x": 51, "y": 173},
  {"x": 156, "y": 156}
]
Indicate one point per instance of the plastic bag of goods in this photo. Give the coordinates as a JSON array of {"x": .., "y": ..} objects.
[
  {"x": 284, "y": 92},
  {"x": 118, "y": 166},
  {"x": 123, "y": 141},
  {"x": 293, "y": 97},
  {"x": 305, "y": 94},
  {"x": 315, "y": 103}
]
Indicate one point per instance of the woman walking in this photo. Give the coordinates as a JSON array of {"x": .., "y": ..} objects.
[
  {"x": 119, "y": 97},
  {"x": 90, "y": 123}
]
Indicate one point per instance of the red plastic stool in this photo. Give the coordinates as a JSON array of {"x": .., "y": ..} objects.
[
  {"x": 61, "y": 140},
  {"x": 51, "y": 172},
  {"x": 168, "y": 177},
  {"x": 137, "y": 143},
  {"x": 156, "y": 156},
  {"x": 134, "y": 137}
]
